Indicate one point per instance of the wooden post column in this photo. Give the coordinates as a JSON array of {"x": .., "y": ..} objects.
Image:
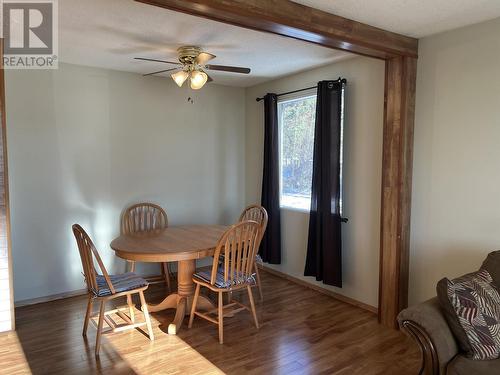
[{"x": 399, "y": 114}]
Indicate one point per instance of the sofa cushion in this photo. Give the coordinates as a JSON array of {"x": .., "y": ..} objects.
[
  {"x": 476, "y": 302},
  {"x": 451, "y": 316},
  {"x": 461, "y": 365},
  {"x": 492, "y": 265}
]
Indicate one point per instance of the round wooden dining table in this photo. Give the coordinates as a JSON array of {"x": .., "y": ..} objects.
[{"x": 181, "y": 244}]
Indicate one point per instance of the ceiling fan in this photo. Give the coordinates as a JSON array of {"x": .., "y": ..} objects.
[{"x": 192, "y": 64}]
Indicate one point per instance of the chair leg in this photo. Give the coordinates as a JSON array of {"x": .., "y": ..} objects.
[
  {"x": 131, "y": 308},
  {"x": 146, "y": 315},
  {"x": 252, "y": 304},
  {"x": 259, "y": 285},
  {"x": 166, "y": 275},
  {"x": 132, "y": 266},
  {"x": 229, "y": 297},
  {"x": 193, "y": 308},
  {"x": 87, "y": 315},
  {"x": 99, "y": 328},
  {"x": 221, "y": 318}
]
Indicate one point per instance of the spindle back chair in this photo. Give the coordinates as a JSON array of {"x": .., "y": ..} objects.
[
  {"x": 104, "y": 287},
  {"x": 232, "y": 268},
  {"x": 258, "y": 214},
  {"x": 147, "y": 217}
]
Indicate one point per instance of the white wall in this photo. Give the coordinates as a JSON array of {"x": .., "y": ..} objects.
[
  {"x": 456, "y": 180},
  {"x": 362, "y": 174},
  {"x": 85, "y": 142}
]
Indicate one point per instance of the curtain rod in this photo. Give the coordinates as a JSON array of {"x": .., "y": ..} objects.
[{"x": 342, "y": 80}]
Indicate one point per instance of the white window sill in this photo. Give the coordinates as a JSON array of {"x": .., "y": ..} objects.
[{"x": 295, "y": 203}]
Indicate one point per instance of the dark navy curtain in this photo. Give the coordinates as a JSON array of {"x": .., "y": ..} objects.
[
  {"x": 324, "y": 246},
  {"x": 270, "y": 249}
]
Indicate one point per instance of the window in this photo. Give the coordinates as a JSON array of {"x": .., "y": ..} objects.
[{"x": 296, "y": 123}]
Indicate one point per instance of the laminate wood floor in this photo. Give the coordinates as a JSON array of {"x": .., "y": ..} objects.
[{"x": 302, "y": 332}]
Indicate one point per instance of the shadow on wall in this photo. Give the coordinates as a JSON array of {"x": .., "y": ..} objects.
[{"x": 87, "y": 146}]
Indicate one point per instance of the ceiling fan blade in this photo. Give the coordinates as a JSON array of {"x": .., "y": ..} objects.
[
  {"x": 232, "y": 69},
  {"x": 209, "y": 79},
  {"x": 203, "y": 58},
  {"x": 160, "y": 71},
  {"x": 155, "y": 60}
]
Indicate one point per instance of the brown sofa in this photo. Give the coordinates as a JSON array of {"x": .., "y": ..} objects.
[{"x": 441, "y": 354}]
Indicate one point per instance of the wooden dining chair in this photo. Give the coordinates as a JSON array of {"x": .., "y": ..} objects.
[
  {"x": 238, "y": 246},
  {"x": 147, "y": 217},
  {"x": 104, "y": 287},
  {"x": 259, "y": 214}
]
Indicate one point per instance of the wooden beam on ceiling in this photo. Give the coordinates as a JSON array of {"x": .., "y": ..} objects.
[{"x": 300, "y": 22}]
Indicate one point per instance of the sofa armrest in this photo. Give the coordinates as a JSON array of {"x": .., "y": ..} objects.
[{"x": 426, "y": 324}]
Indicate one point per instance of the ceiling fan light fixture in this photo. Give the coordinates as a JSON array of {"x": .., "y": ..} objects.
[
  {"x": 180, "y": 77},
  {"x": 198, "y": 79},
  {"x": 193, "y": 64}
]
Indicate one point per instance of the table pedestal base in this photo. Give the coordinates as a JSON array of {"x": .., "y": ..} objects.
[{"x": 182, "y": 301}]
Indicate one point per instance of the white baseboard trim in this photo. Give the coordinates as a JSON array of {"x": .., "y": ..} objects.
[
  {"x": 53, "y": 297},
  {"x": 340, "y": 297}
]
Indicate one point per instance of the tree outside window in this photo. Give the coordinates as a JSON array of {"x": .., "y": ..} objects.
[{"x": 296, "y": 121}]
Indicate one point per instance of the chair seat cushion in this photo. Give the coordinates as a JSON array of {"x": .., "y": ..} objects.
[
  {"x": 121, "y": 283},
  {"x": 205, "y": 275}
]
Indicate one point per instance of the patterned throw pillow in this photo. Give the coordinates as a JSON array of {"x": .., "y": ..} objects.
[{"x": 476, "y": 302}]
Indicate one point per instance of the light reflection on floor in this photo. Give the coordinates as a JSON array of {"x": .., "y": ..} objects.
[
  {"x": 145, "y": 357},
  {"x": 12, "y": 354},
  {"x": 121, "y": 353},
  {"x": 150, "y": 358}
]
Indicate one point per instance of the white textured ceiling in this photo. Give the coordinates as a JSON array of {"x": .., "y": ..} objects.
[
  {"x": 110, "y": 33},
  {"x": 416, "y": 18}
]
